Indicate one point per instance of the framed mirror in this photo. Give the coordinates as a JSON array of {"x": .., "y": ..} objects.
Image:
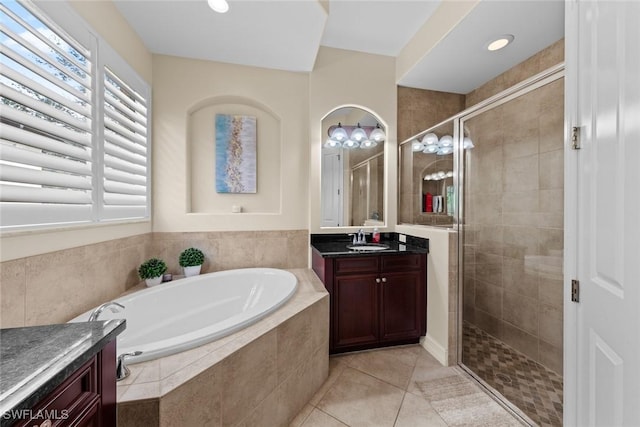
[{"x": 352, "y": 169}]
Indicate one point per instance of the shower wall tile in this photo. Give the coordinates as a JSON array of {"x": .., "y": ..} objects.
[
  {"x": 551, "y": 357},
  {"x": 521, "y": 174},
  {"x": 551, "y": 170},
  {"x": 550, "y": 290},
  {"x": 489, "y": 298},
  {"x": 490, "y": 324},
  {"x": 520, "y": 340},
  {"x": 551, "y": 324},
  {"x": 520, "y": 311}
]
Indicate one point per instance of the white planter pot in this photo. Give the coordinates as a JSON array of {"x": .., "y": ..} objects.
[
  {"x": 153, "y": 281},
  {"x": 192, "y": 271}
]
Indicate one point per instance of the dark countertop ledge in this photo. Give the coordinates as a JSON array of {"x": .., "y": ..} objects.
[
  {"x": 335, "y": 245},
  {"x": 35, "y": 360}
]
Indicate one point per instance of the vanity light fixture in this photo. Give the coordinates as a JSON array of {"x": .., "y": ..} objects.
[
  {"x": 430, "y": 144},
  {"x": 500, "y": 43},
  {"x": 220, "y": 6},
  {"x": 358, "y": 134},
  {"x": 350, "y": 137}
]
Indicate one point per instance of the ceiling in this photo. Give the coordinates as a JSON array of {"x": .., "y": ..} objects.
[{"x": 286, "y": 34}]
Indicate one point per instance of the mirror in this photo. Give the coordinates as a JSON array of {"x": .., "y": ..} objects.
[
  {"x": 427, "y": 192},
  {"x": 352, "y": 172}
]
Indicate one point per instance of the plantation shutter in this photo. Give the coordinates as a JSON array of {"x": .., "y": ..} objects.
[
  {"x": 125, "y": 150},
  {"x": 46, "y": 152}
]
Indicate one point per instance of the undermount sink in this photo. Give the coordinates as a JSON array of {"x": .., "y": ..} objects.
[{"x": 368, "y": 247}]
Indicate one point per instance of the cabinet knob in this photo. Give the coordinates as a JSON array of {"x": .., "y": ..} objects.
[
  {"x": 378, "y": 280},
  {"x": 384, "y": 280}
]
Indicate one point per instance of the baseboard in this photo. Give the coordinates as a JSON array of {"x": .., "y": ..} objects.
[{"x": 436, "y": 350}]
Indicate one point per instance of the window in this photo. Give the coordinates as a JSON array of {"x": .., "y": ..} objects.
[{"x": 74, "y": 145}]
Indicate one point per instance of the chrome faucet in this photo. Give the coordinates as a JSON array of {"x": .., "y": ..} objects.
[
  {"x": 361, "y": 239},
  {"x": 122, "y": 371},
  {"x": 112, "y": 306}
]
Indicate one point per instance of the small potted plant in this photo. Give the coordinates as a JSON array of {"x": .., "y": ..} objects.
[
  {"x": 151, "y": 271},
  {"x": 191, "y": 260}
]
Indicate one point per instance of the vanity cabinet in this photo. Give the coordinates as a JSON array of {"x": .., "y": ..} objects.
[
  {"x": 376, "y": 300},
  {"x": 86, "y": 398}
]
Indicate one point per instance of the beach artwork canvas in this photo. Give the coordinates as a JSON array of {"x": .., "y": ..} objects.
[{"x": 235, "y": 154}]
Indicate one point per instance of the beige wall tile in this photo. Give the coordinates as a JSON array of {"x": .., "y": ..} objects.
[
  {"x": 12, "y": 293},
  {"x": 521, "y": 311},
  {"x": 551, "y": 324},
  {"x": 295, "y": 343},
  {"x": 247, "y": 377},
  {"x": 520, "y": 340},
  {"x": 489, "y": 298},
  {"x": 551, "y": 170},
  {"x": 551, "y": 357},
  {"x": 140, "y": 413}
]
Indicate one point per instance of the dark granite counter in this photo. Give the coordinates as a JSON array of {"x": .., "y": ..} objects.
[
  {"x": 35, "y": 360},
  {"x": 335, "y": 245}
]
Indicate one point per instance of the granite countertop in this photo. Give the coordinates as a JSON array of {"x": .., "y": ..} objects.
[
  {"x": 35, "y": 360},
  {"x": 335, "y": 245}
]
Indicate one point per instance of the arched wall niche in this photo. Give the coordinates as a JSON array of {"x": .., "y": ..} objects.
[{"x": 201, "y": 192}]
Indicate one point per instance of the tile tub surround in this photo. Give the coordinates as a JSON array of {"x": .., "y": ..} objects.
[
  {"x": 57, "y": 286},
  {"x": 266, "y": 372}
]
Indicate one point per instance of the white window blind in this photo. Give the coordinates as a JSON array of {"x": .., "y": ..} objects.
[
  {"x": 60, "y": 163},
  {"x": 125, "y": 149}
]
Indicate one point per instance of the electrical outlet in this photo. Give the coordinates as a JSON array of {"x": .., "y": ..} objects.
[{"x": 402, "y": 238}]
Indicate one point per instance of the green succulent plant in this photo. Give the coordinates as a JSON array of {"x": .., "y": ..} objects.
[
  {"x": 191, "y": 257},
  {"x": 151, "y": 268}
]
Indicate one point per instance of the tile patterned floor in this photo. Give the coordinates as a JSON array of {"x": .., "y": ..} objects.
[
  {"x": 536, "y": 390},
  {"x": 399, "y": 387}
]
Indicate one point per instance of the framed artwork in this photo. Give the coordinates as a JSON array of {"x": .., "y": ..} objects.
[{"x": 236, "y": 163}]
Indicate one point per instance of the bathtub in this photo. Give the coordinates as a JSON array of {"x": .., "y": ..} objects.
[{"x": 190, "y": 312}]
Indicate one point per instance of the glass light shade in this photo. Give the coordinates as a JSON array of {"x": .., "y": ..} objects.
[
  {"x": 339, "y": 134},
  {"x": 430, "y": 149},
  {"x": 446, "y": 141},
  {"x": 467, "y": 143},
  {"x": 358, "y": 134},
  {"x": 427, "y": 177},
  {"x": 332, "y": 143},
  {"x": 220, "y": 6},
  {"x": 444, "y": 150},
  {"x": 417, "y": 145},
  {"x": 429, "y": 139},
  {"x": 368, "y": 143},
  {"x": 377, "y": 134},
  {"x": 350, "y": 143},
  {"x": 449, "y": 174}
]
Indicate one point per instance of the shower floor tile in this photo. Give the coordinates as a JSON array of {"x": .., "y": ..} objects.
[{"x": 536, "y": 390}]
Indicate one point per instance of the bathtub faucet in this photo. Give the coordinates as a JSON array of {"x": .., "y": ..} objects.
[
  {"x": 112, "y": 306},
  {"x": 122, "y": 371}
]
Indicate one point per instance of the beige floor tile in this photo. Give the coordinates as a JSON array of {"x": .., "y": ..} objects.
[
  {"x": 416, "y": 412},
  {"x": 336, "y": 366},
  {"x": 302, "y": 416},
  {"x": 318, "y": 418},
  {"x": 358, "y": 399},
  {"x": 426, "y": 371},
  {"x": 384, "y": 365},
  {"x": 475, "y": 409}
]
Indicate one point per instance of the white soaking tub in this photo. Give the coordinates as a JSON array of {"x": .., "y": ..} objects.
[{"x": 187, "y": 313}]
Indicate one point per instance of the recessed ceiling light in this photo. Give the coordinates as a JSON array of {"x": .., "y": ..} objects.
[
  {"x": 220, "y": 6},
  {"x": 500, "y": 42}
]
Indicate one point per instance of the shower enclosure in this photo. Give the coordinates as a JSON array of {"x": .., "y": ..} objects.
[
  {"x": 501, "y": 189},
  {"x": 511, "y": 247}
]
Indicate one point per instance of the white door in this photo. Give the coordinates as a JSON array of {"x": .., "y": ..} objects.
[
  {"x": 331, "y": 191},
  {"x": 602, "y": 347}
]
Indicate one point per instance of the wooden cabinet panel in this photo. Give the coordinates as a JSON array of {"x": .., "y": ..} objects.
[
  {"x": 401, "y": 262},
  {"x": 355, "y": 316},
  {"x": 401, "y": 306},
  {"x": 369, "y": 264}
]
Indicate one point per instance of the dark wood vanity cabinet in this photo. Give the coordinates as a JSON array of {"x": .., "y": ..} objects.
[
  {"x": 376, "y": 300},
  {"x": 86, "y": 398}
]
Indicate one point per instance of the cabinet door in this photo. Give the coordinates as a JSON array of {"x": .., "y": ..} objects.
[
  {"x": 355, "y": 317},
  {"x": 401, "y": 306}
]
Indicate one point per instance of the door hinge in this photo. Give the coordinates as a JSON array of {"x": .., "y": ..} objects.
[
  {"x": 575, "y": 138},
  {"x": 575, "y": 290}
]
